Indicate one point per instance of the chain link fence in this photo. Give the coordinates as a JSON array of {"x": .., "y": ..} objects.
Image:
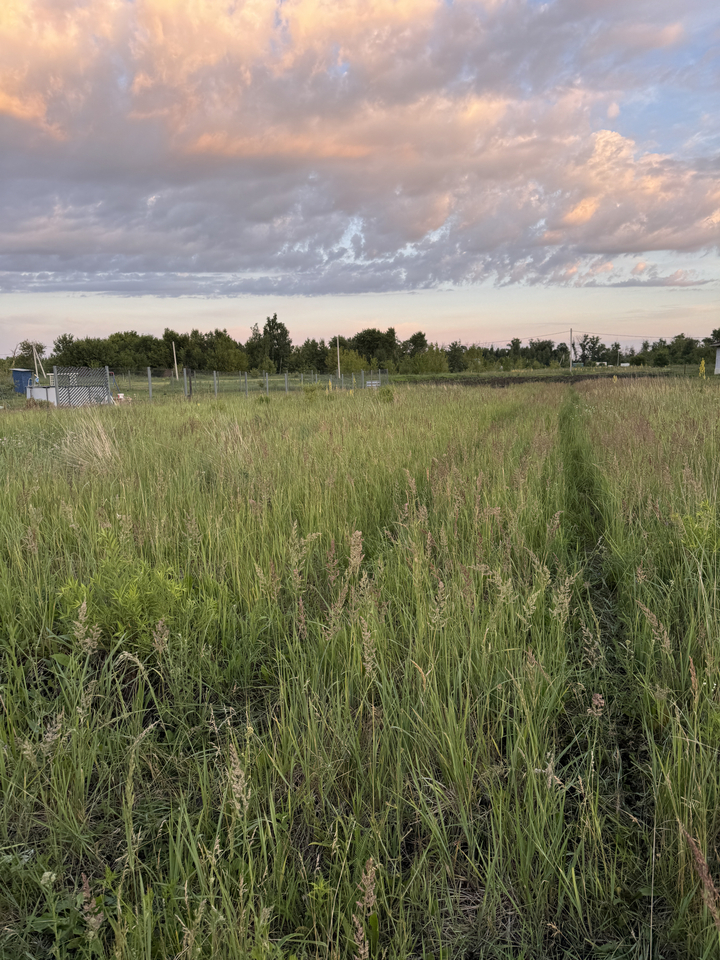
[{"x": 157, "y": 384}]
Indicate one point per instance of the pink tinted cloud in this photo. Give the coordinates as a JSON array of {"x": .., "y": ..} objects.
[{"x": 337, "y": 146}]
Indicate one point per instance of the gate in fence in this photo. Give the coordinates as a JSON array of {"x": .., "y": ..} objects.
[{"x": 77, "y": 386}]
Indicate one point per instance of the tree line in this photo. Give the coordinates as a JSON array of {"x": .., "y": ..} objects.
[{"x": 271, "y": 350}]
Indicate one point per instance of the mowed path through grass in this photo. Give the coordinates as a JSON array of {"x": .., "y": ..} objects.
[{"x": 333, "y": 677}]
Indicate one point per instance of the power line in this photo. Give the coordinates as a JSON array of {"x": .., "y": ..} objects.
[
  {"x": 633, "y": 336},
  {"x": 535, "y": 336}
]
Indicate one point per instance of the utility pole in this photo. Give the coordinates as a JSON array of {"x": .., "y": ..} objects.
[
  {"x": 338, "y": 353},
  {"x": 38, "y": 361},
  {"x": 175, "y": 359},
  {"x": 571, "y": 349}
]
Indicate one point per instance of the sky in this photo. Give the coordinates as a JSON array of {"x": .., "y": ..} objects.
[{"x": 477, "y": 169}]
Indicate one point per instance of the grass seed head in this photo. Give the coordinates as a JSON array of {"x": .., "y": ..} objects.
[
  {"x": 161, "y": 634},
  {"x": 356, "y": 554},
  {"x": 86, "y": 636},
  {"x": 368, "y": 652},
  {"x": 92, "y": 914},
  {"x": 239, "y": 784},
  {"x": 710, "y": 894},
  {"x": 598, "y": 706},
  {"x": 659, "y": 632}
]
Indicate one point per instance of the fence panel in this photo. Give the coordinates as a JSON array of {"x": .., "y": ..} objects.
[
  {"x": 77, "y": 386},
  {"x": 162, "y": 384}
]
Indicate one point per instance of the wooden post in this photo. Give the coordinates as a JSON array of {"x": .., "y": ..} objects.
[{"x": 149, "y": 382}]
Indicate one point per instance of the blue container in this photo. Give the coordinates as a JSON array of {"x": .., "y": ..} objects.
[{"x": 21, "y": 379}]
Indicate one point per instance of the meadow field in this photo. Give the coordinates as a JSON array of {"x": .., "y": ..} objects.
[{"x": 430, "y": 672}]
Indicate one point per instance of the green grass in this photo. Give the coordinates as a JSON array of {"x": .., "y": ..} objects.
[
  {"x": 330, "y": 676},
  {"x": 487, "y": 376}
]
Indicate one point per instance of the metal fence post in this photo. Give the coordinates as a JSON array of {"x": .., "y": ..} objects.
[
  {"x": 246, "y": 386},
  {"x": 302, "y": 381},
  {"x": 286, "y": 383},
  {"x": 185, "y": 381},
  {"x": 342, "y": 381},
  {"x": 149, "y": 382},
  {"x": 362, "y": 379},
  {"x": 215, "y": 382},
  {"x": 267, "y": 383}
]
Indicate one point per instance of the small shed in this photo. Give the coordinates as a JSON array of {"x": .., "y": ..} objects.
[
  {"x": 21, "y": 378},
  {"x": 716, "y": 344}
]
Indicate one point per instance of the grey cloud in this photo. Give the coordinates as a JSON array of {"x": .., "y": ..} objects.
[{"x": 457, "y": 145}]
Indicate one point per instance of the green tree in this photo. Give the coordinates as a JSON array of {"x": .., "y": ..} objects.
[
  {"x": 456, "y": 356},
  {"x": 591, "y": 349},
  {"x": 378, "y": 349},
  {"x": 224, "y": 354},
  {"x": 23, "y": 353},
  {"x": 350, "y": 360},
  {"x": 256, "y": 350},
  {"x": 432, "y": 360},
  {"x": 415, "y": 345},
  {"x": 312, "y": 355},
  {"x": 278, "y": 345}
]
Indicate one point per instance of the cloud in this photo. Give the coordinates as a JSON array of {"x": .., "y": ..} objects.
[
  {"x": 652, "y": 278},
  {"x": 176, "y": 147}
]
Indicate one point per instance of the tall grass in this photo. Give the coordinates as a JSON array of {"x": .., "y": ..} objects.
[{"x": 331, "y": 677}]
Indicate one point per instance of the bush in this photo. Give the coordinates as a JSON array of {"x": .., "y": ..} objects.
[
  {"x": 386, "y": 395},
  {"x": 311, "y": 391}
]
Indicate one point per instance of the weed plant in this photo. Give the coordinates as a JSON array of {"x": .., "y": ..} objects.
[{"x": 433, "y": 677}]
